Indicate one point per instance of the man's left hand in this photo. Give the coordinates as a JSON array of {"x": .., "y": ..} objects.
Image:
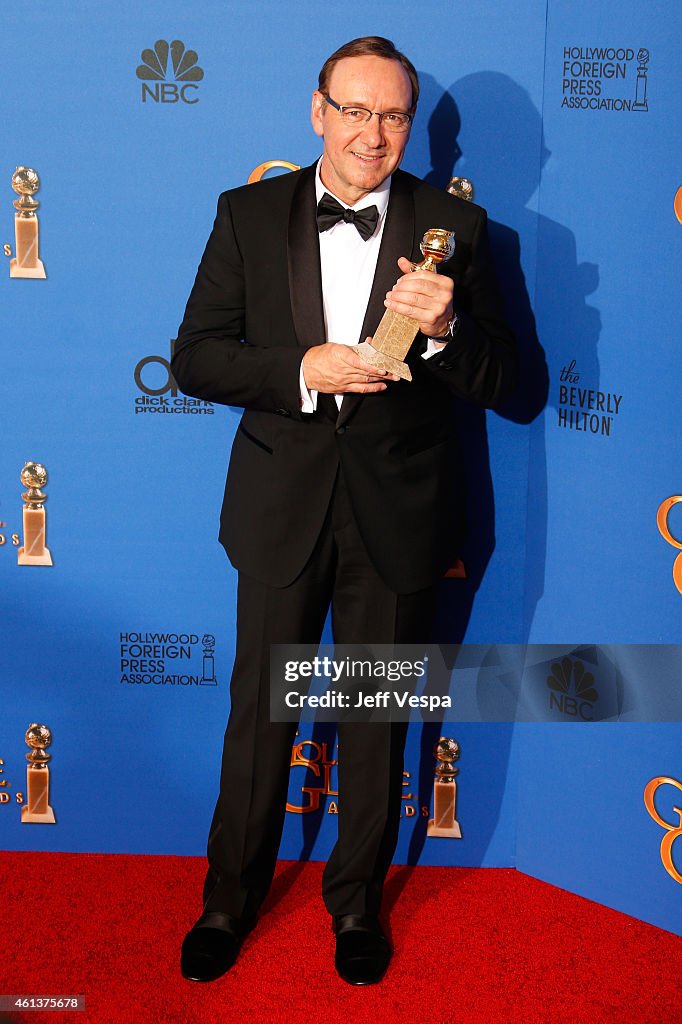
[{"x": 424, "y": 296}]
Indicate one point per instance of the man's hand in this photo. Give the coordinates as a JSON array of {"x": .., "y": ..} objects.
[
  {"x": 424, "y": 296},
  {"x": 336, "y": 369}
]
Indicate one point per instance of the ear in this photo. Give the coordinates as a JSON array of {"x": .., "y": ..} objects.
[{"x": 316, "y": 113}]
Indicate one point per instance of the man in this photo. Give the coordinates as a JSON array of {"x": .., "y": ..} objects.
[{"x": 340, "y": 487}]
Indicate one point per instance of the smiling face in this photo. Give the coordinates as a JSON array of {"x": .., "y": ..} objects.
[{"x": 357, "y": 158}]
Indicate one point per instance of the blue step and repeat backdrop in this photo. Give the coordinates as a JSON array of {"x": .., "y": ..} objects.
[{"x": 565, "y": 116}]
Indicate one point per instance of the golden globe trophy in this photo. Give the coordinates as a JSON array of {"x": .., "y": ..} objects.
[
  {"x": 37, "y": 807},
  {"x": 444, "y": 823},
  {"x": 396, "y": 332},
  {"x": 461, "y": 187},
  {"x": 34, "y": 551},
  {"x": 26, "y": 263}
]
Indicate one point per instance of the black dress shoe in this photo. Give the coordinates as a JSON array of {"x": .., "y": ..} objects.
[
  {"x": 362, "y": 950},
  {"x": 212, "y": 946}
]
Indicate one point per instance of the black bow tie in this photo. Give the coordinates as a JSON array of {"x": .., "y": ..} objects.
[{"x": 329, "y": 213}]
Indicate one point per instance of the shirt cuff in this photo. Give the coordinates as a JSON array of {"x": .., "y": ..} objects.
[
  {"x": 308, "y": 398},
  {"x": 433, "y": 346}
]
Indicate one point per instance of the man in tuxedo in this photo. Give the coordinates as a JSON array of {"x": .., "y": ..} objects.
[{"x": 340, "y": 488}]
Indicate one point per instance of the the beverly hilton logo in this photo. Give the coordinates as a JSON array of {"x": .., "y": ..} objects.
[
  {"x": 673, "y": 830},
  {"x": 582, "y": 409},
  {"x": 613, "y": 78},
  {"x": 174, "y": 83},
  {"x": 571, "y": 689}
]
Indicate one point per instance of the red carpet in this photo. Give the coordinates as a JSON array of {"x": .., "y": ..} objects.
[{"x": 487, "y": 946}]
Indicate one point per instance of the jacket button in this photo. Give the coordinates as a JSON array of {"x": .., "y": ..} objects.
[{"x": 341, "y": 430}]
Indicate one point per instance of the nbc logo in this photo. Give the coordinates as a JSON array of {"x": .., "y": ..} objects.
[
  {"x": 580, "y": 702},
  {"x": 154, "y": 69}
]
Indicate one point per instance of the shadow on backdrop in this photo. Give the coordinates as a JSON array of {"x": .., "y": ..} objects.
[{"x": 486, "y": 127}]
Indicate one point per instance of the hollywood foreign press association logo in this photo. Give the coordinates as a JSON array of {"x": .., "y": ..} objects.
[
  {"x": 164, "y": 84},
  {"x": 605, "y": 78},
  {"x": 176, "y": 660}
]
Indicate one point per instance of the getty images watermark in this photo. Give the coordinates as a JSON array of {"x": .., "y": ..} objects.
[
  {"x": 352, "y": 682},
  {"x": 476, "y": 683}
]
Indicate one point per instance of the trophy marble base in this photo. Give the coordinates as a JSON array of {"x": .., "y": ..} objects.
[
  {"x": 34, "y": 550},
  {"x": 16, "y": 270},
  {"x": 37, "y": 808},
  {"x": 384, "y": 362},
  {"x": 454, "y": 832},
  {"x": 444, "y": 824},
  {"x": 38, "y": 817},
  {"x": 45, "y": 558}
]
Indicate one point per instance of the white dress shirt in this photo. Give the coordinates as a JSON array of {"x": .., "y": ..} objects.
[{"x": 348, "y": 264}]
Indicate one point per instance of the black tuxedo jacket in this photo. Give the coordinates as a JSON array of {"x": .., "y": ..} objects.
[{"x": 256, "y": 305}]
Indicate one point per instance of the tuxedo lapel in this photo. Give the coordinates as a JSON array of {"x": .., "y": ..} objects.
[
  {"x": 303, "y": 254},
  {"x": 397, "y": 240}
]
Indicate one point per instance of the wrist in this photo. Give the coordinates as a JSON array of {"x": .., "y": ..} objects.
[{"x": 450, "y": 330}]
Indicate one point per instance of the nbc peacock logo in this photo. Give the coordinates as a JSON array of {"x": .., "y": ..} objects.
[
  {"x": 572, "y": 689},
  {"x": 164, "y": 84}
]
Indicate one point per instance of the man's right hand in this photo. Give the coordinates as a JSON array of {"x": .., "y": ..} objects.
[{"x": 335, "y": 369}]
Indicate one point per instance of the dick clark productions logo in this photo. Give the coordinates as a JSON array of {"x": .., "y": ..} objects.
[
  {"x": 160, "y": 390},
  {"x": 164, "y": 84}
]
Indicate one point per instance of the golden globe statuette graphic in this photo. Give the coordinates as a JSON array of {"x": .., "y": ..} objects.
[
  {"x": 34, "y": 551},
  {"x": 461, "y": 187},
  {"x": 640, "y": 85},
  {"x": 672, "y": 831},
  {"x": 26, "y": 263},
  {"x": 396, "y": 332},
  {"x": 37, "y": 810},
  {"x": 444, "y": 823}
]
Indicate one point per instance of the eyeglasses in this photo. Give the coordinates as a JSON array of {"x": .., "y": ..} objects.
[{"x": 392, "y": 120}]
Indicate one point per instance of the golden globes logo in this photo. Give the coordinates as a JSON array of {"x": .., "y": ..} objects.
[
  {"x": 315, "y": 757},
  {"x": 672, "y": 831},
  {"x": 664, "y": 530},
  {"x": 258, "y": 172},
  {"x": 677, "y": 204},
  {"x": 317, "y": 760}
]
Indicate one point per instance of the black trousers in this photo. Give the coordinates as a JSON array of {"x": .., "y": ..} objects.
[{"x": 247, "y": 824}]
